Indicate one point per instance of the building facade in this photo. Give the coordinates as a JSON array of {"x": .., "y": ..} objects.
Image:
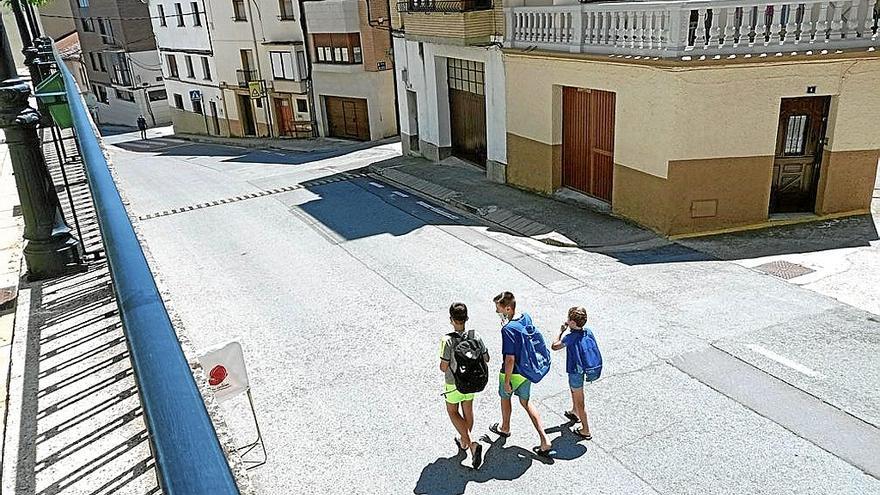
[
  {"x": 186, "y": 53},
  {"x": 122, "y": 63},
  {"x": 451, "y": 81},
  {"x": 690, "y": 119},
  {"x": 260, "y": 60},
  {"x": 352, "y": 68}
]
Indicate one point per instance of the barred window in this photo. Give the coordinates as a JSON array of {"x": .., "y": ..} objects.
[{"x": 465, "y": 75}]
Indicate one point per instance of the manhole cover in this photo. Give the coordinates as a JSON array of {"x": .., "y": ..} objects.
[{"x": 784, "y": 269}]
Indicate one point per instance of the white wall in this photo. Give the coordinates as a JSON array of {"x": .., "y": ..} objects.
[
  {"x": 426, "y": 75},
  {"x": 376, "y": 87},
  {"x": 333, "y": 16},
  {"x": 188, "y": 37}
]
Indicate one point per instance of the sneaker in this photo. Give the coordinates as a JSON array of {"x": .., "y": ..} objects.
[{"x": 477, "y": 456}]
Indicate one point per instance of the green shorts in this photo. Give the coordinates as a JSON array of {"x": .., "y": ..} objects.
[{"x": 453, "y": 396}]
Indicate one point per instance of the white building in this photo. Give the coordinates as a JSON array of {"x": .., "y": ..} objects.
[
  {"x": 183, "y": 38},
  {"x": 261, "y": 65},
  {"x": 451, "y": 81}
]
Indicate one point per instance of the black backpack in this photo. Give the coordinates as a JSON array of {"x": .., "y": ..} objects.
[{"x": 471, "y": 371}]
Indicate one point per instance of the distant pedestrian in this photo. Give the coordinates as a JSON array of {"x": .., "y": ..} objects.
[
  {"x": 526, "y": 361},
  {"x": 142, "y": 126},
  {"x": 463, "y": 358},
  {"x": 583, "y": 362}
]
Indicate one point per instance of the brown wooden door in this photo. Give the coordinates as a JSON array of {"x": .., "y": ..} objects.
[
  {"x": 799, "y": 140},
  {"x": 588, "y": 141},
  {"x": 468, "y": 125},
  {"x": 246, "y": 109},
  {"x": 284, "y": 114},
  {"x": 347, "y": 117},
  {"x": 467, "y": 109}
]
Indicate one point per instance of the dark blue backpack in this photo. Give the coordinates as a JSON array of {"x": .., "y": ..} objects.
[
  {"x": 590, "y": 356},
  {"x": 533, "y": 356}
]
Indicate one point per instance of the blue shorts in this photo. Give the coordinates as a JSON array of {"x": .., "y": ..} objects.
[
  {"x": 576, "y": 380},
  {"x": 522, "y": 388}
]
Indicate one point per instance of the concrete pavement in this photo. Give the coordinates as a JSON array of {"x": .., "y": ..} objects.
[
  {"x": 11, "y": 228},
  {"x": 337, "y": 286}
]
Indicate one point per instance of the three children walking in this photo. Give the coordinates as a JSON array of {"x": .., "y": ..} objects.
[{"x": 525, "y": 360}]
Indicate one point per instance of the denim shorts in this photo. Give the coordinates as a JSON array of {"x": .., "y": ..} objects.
[
  {"x": 522, "y": 388},
  {"x": 576, "y": 380}
]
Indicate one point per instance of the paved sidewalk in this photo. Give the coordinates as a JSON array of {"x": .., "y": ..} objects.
[
  {"x": 305, "y": 145},
  {"x": 11, "y": 243},
  {"x": 550, "y": 221}
]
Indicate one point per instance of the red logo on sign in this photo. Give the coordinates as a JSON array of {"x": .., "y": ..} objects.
[{"x": 217, "y": 375}]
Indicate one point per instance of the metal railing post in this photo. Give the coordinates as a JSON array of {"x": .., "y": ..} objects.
[{"x": 50, "y": 249}]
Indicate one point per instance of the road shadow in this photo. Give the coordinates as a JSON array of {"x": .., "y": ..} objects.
[
  {"x": 810, "y": 237},
  {"x": 446, "y": 475}
]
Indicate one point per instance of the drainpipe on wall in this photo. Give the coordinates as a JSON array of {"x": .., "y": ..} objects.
[
  {"x": 310, "y": 89},
  {"x": 259, "y": 66}
]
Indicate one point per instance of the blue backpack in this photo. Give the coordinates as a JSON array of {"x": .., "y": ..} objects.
[
  {"x": 533, "y": 356},
  {"x": 590, "y": 356}
]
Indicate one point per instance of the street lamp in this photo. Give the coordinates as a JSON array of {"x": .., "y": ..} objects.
[{"x": 50, "y": 249}]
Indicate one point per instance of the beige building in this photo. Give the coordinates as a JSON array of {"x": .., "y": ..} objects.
[
  {"x": 352, "y": 68},
  {"x": 687, "y": 119}
]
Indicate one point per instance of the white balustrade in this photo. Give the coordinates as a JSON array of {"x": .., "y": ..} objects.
[{"x": 694, "y": 28}]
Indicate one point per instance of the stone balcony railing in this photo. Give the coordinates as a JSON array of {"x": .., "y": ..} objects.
[{"x": 691, "y": 30}]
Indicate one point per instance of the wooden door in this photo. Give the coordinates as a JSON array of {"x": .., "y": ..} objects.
[
  {"x": 467, "y": 109},
  {"x": 246, "y": 111},
  {"x": 799, "y": 140},
  {"x": 347, "y": 117},
  {"x": 284, "y": 114},
  {"x": 588, "y": 141}
]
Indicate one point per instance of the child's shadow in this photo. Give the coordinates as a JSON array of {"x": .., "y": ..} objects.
[
  {"x": 446, "y": 475},
  {"x": 567, "y": 446}
]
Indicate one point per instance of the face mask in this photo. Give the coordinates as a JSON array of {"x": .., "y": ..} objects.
[{"x": 504, "y": 318}]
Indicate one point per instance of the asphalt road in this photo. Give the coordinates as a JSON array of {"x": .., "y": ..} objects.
[{"x": 337, "y": 286}]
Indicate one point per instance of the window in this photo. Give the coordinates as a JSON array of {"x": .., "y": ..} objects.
[
  {"x": 100, "y": 93},
  {"x": 157, "y": 95},
  {"x": 197, "y": 107},
  {"x": 796, "y": 134},
  {"x": 179, "y": 10},
  {"x": 83, "y": 4},
  {"x": 108, "y": 36},
  {"x": 101, "y": 62},
  {"x": 92, "y": 60},
  {"x": 190, "y": 71},
  {"x": 282, "y": 65},
  {"x": 338, "y": 48},
  {"x": 238, "y": 10},
  {"x": 121, "y": 94},
  {"x": 171, "y": 62},
  {"x": 301, "y": 64},
  {"x": 197, "y": 18},
  {"x": 206, "y": 68},
  {"x": 302, "y": 106},
  {"x": 162, "y": 21},
  {"x": 88, "y": 24},
  {"x": 465, "y": 75},
  {"x": 286, "y": 7},
  {"x": 178, "y": 101}
]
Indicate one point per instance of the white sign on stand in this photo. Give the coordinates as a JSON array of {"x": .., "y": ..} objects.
[
  {"x": 226, "y": 371},
  {"x": 227, "y": 377}
]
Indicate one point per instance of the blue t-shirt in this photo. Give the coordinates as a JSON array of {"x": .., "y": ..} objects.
[
  {"x": 511, "y": 340},
  {"x": 574, "y": 351}
]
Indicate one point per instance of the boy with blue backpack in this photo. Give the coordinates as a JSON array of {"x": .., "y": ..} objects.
[
  {"x": 526, "y": 360},
  {"x": 583, "y": 362}
]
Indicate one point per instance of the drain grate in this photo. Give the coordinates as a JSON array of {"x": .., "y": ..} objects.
[{"x": 784, "y": 269}]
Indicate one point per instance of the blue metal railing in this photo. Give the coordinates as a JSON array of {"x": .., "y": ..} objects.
[{"x": 188, "y": 455}]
